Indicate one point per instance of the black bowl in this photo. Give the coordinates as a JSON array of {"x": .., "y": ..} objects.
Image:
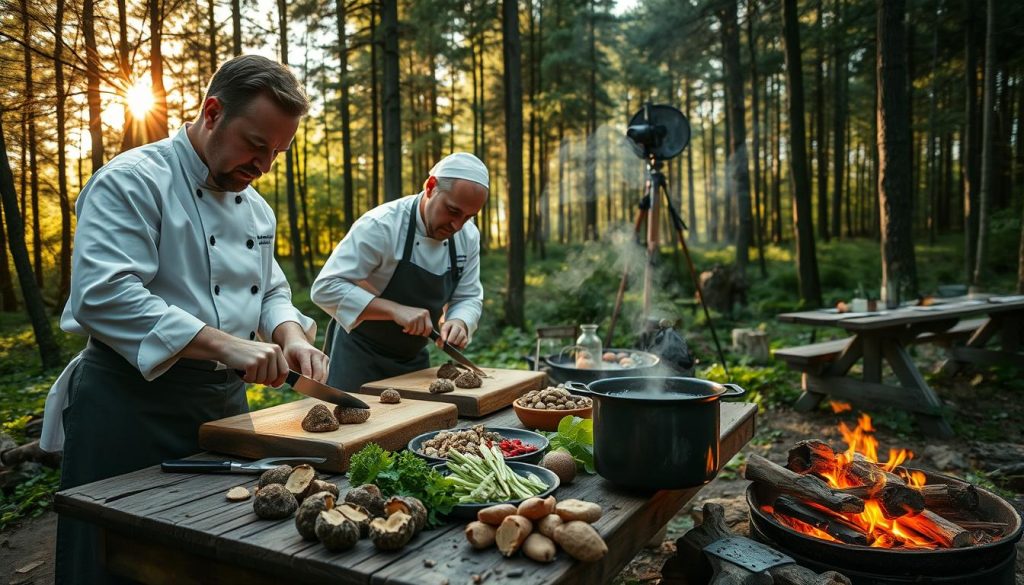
[
  {"x": 536, "y": 439},
  {"x": 469, "y": 511}
]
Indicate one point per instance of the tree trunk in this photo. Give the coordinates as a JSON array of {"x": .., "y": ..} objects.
[
  {"x": 92, "y": 76},
  {"x": 374, "y": 115},
  {"x": 236, "y": 28},
  {"x": 590, "y": 183},
  {"x": 988, "y": 143},
  {"x": 156, "y": 124},
  {"x": 932, "y": 161},
  {"x": 756, "y": 139},
  {"x": 348, "y": 183},
  {"x": 295, "y": 239},
  {"x": 839, "y": 85},
  {"x": 8, "y": 300},
  {"x": 64, "y": 289},
  {"x": 211, "y": 25},
  {"x": 738, "y": 133},
  {"x": 806, "y": 257},
  {"x": 691, "y": 202},
  {"x": 49, "y": 351},
  {"x": 514, "y": 155},
  {"x": 712, "y": 197},
  {"x": 777, "y": 167},
  {"x": 392, "y": 103},
  {"x": 561, "y": 180},
  {"x": 33, "y": 147},
  {"x": 899, "y": 270},
  {"x": 533, "y": 205},
  {"x": 821, "y": 136}
]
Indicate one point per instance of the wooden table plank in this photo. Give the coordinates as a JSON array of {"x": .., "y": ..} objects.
[{"x": 188, "y": 515}]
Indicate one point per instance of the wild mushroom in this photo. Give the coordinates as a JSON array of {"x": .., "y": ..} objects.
[
  {"x": 408, "y": 505},
  {"x": 350, "y": 416},
  {"x": 335, "y": 531},
  {"x": 369, "y": 497},
  {"x": 390, "y": 396},
  {"x": 309, "y": 511},
  {"x": 274, "y": 502},
  {"x": 449, "y": 371},
  {"x": 392, "y": 533},
  {"x": 441, "y": 386},
  {"x": 319, "y": 419},
  {"x": 277, "y": 474},
  {"x": 468, "y": 380}
]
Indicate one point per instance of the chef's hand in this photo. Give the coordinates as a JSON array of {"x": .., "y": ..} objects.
[
  {"x": 306, "y": 359},
  {"x": 262, "y": 363},
  {"x": 454, "y": 332},
  {"x": 413, "y": 320}
]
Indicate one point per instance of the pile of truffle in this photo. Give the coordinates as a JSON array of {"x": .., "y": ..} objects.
[
  {"x": 450, "y": 375},
  {"x": 553, "y": 398},
  {"x": 321, "y": 515},
  {"x": 463, "y": 441},
  {"x": 320, "y": 418}
]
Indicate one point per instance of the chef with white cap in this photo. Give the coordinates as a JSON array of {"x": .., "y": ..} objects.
[{"x": 401, "y": 267}]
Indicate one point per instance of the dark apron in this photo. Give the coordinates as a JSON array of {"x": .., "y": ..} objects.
[
  {"x": 379, "y": 349},
  {"x": 117, "y": 422}
]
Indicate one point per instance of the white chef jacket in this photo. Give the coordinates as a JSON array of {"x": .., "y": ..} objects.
[
  {"x": 158, "y": 255},
  {"x": 363, "y": 262}
]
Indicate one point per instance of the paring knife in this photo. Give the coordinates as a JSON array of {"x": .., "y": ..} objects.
[
  {"x": 258, "y": 466},
  {"x": 310, "y": 387},
  {"x": 457, "y": 355}
]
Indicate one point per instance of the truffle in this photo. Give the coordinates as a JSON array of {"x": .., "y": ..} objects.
[
  {"x": 369, "y": 497},
  {"x": 350, "y": 416},
  {"x": 408, "y": 505},
  {"x": 277, "y": 474},
  {"x": 274, "y": 502},
  {"x": 449, "y": 371},
  {"x": 309, "y": 510},
  {"x": 468, "y": 380},
  {"x": 238, "y": 494},
  {"x": 358, "y": 515},
  {"x": 390, "y": 396},
  {"x": 319, "y": 420},
  {"x": 336, "y": 532},
  {"x": 441, "y": 385},
  {"x": 301, "y": 481},
  {"x": 393, "y": 533}
]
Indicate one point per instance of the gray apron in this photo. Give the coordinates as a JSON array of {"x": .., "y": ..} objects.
[
  {"x": 117, "y": 422},
  {"x": 379, "y": 349}
]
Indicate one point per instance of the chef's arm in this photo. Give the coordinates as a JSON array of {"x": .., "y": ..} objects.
[
  {"x": 262, "y": 363},
  {"x": 413, "y": 320}
]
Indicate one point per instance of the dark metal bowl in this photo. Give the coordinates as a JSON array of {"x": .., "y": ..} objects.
[
  {"x": 562, "y": 368},
  {"x": 536, "y": 439}
]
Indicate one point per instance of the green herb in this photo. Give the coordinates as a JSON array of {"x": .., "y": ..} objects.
[
  {"x": 403, "y": 474},
  {"x": 575, "y": 435}
]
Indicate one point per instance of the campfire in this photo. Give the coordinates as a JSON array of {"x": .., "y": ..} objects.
[{"x": 853, "y": 498}]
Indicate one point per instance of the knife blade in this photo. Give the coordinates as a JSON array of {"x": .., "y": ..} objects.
[
  {"x": 457, "y": 355},
  {"x": 310, "y": 387}
]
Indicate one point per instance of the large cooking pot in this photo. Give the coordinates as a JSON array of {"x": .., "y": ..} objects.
[{"x": 656, "y": 432}]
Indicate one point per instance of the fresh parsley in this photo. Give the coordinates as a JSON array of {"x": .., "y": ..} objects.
[
  {"x": 575, "y": 435},
  {"x": 403, "y": 474}
]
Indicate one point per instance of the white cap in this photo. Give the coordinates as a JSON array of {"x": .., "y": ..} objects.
[{"x": 462, "y": 165}]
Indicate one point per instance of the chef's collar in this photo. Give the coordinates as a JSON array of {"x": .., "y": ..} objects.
[
  {"x": 421, "y": 228},
  {"x": 194, "y": 166}
]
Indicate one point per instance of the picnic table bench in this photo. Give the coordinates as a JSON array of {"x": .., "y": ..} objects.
[
  {"x": 178, "y": 528},
  {"x": 882, "y": 337}
]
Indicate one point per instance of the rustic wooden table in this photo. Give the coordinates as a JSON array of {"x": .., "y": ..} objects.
[
  {"x": 169, "y": 528},
  {"x": 886, "y": 335}
]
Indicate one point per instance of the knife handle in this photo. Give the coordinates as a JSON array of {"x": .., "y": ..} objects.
[{"x": 193, "y": 466}]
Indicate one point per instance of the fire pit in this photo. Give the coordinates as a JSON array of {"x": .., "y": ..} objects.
[{"x": 880, "y": 523}]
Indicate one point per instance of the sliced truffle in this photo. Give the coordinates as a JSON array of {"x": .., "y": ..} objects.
[
  {"x": 351, "y": 416},
  {"x": 300, "y": 481},
  {"x": 319, "y": 419},
  {"x": 393, "y": 533},
  {"x": 449, "y": 371},
  {"x": 308, "y": 512},
  {"x": 336, "y": 532},
  {"x": 274, "y": 502},
  {"x": 408, "y": 505},
  {"x": 369, "y": 497},
  {"x": 441, "y": 385},
  {"x": 468, "y": 380},
  {"x": 358, "y": 515},
  {"x": 277, "y": 474},
  {"x": 390, "y": 396},
  {"x": 238, "y": 494},
  {"x": 320, "y": 485}
]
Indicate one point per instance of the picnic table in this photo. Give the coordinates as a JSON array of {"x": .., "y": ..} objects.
[
  {"x": 884, "y": 337},
  {"x": 178, "y": 528}
]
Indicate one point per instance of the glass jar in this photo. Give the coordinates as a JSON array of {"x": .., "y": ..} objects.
[{"x": 588, "y": 348}]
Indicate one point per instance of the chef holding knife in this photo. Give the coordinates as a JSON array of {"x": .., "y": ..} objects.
[
  {"x": 174, "y": 281},
  {"x": 401, "y": 267}
]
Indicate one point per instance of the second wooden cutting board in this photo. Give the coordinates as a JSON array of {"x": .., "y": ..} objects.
[{"x": 496, "y": 392}]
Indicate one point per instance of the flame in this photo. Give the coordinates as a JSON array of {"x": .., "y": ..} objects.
[
  {"x": 839, "y": 406},
  {"x": 709, "y": 463}
]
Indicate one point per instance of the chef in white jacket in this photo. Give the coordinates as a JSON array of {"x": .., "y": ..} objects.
[
  {"x": 174, "y": 281},
  {"x": 405, "y": 268}
]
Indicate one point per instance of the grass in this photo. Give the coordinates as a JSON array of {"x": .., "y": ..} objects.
[{"x": 577, "y": 284}]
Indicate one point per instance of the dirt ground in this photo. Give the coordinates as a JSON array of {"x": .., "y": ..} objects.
[{"x": 26, "y": 553}]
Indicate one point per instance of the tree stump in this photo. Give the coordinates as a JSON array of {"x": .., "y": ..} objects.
[{"x": 751, "y": 342}]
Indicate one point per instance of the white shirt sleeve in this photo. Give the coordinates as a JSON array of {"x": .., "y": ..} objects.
[
  {"x": 277, "y": 307},
  {"x": 337, "y": 288},
  {"x": 116, "y": 256},
  {"x": 467, "y": 301}
]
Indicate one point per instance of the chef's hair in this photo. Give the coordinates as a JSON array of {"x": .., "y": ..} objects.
[{"x": 238, "y": 81}]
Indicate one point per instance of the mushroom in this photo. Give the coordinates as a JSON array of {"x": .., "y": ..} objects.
[
  {"x": 408, "y": 505},
  {"x": 357, "y": 515},
  {"x": 440, "y": 386},
  {"x": 319, "y": 420},
  {"x": 309, "y": 511},
  {"x": 277, "y": 474},
  {"x": 274, "y": 502},
  {"x": 369, "y": 497},
  {"x": 337, "y": 532},
  {"x": 390, "y": 396},
  {"x": 392, "y": 533},
  {"x": 468, "y": 380},
  {"x": 349, "y": 416},
  {"x": 449, "y": 371}
]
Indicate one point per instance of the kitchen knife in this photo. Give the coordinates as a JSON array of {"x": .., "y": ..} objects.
[
  {"x": 457, "y": 356},
  {"x": 310, "y": 387},
  {"x": 258, "y": 466}
]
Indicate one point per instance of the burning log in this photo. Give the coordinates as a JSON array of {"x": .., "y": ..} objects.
[
  {"x": 688, "y": 566},
  {"x": 943, "y": 496},
  {"x": 940, "y": 530},
  {"x": 812, "y": 456},
  {"x": 805, "y": 487},
  {"x": 895, "y": 497},
  {"x": 832, "y": 525}
]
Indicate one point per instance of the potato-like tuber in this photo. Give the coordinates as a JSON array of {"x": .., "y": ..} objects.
[
  {"x": 351, "y": 416},
  {"x": 408, "y": 505},
  {"x": 277, "y": 474},
  {"x": 539, "y": 548},
  {"x": 319, "y": 419},
  {"x": 512, "y": 533},
  {"x": 369, "y": 497},
  {"x": 468, "y": 380},
  {"x": 548, "y": 524},
  {"x": 393, "y": 533},
  {"x": 358, "y": 515},
  {"x": 581, "y": 541},
  {"x": 308, "y": 512},
  {"x": 441, "y": 386},
  {"x": 570, "y": 510},
  {"x": 480, "y": 535},
  {"x": 336, "y": 532},
  {"x": 274, "y": 502},
  {"x": 536, "y": 508},
  {"x": 390, "y": 396},
  {"x": 494, "y": 515},
  {"x": 300, "y": 481},
  {"x": 238, "y": 494},
  {"x": 449, "y": 371},
  {"x": 562, "y": 464}
]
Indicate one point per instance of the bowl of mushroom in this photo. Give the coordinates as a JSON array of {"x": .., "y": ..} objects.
[{"x": 543, "y": 409}]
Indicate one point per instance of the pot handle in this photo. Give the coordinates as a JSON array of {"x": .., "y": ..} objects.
[
  {"x": 578, "y": 387},
  {"x": 732, "y": 390}
]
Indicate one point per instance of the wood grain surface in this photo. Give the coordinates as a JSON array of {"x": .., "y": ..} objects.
[{"x": 496, "y": 392}]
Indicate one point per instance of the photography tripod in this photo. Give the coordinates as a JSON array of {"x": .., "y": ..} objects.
[{"x": 648, "y": 209}]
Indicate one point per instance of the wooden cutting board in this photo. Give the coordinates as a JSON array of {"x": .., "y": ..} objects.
[
  {"x": 277, "y": 431},
  {"x": 496, "y": 392}
]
